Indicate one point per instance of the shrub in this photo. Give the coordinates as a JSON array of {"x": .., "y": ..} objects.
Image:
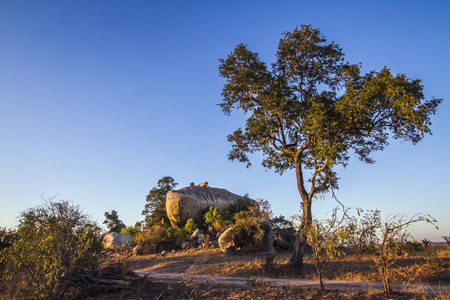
[
  {"x": 392, "y": 233},
  {"x": 325, "y": 236},
  {"x": 149, "y": 239},
  {"x": 212, "y": 216},
  {"x": 362, "y": 231},
  {"x": 134, "y": 231},
  {"x": 242, "y": 204},
  {"x": 251, "y": 225},
  {"x": 176, "y": 233},
  {"x": 53, "y": 244},
  {"x": 190, "y": 226}
]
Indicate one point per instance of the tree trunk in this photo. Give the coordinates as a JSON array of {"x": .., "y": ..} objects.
[
  {"x": 299, "y": 252},
  {"x": 300, "y": 243}
]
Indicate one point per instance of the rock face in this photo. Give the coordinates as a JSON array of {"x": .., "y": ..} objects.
[
  {"x": 114, "y": 240},
  {"x": 193, "y": 201}
]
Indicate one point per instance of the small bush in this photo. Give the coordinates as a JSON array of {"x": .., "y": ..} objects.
[
  {"x": 212, "y": 216},
  {"x": 190, "y": 226},
  {"x": 149, "y": 239},
  {"x": 250, "y": 226},
  {"x": 411, "y": 248},
  {"x": 134, "y": 231}
]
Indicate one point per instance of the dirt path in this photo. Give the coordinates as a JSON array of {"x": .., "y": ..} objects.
[{"x": 329, "y": 284}]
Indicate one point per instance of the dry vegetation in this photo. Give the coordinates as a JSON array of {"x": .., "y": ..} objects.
[{"x": 433, "y": 269}]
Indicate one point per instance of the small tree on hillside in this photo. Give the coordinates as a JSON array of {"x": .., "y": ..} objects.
[
  {"x": 155, "y": 208},
  {"x": 313, "y": 108}
]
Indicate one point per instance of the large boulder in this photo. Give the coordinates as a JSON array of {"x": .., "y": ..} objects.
[
  {"x": 227, "y": 239},
  {"x": 193, "y": 201},
  {"x": 115, "y": 241}
]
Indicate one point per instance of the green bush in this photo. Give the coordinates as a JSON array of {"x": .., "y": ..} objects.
[
  {"x": 212, "y": 216},
  {"x": 190, "y": 226},
  {"x": 242, "y": 204},
  {"x": 176, "y": 233},
  {"x": 134, "y": 231},
  {"x": 251, "y": 225},
  {"x": 53, "y": 244}
]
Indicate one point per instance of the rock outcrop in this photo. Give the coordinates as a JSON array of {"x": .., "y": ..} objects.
[
  {"x": 114, "y": 240},
  {"x": 193, "y": 201}
]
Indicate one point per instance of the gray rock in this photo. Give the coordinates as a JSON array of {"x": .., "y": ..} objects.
[
  {"x": 269, "y": 244},
  {"x": 193, "y": 201},
  {"x": 115, "y": 241},
  {"x": 187, "y": 245},
  {"x": 227, "y": 239},
  {"x": 228, "y": 252},
  {"x": 197, "y": 237}
]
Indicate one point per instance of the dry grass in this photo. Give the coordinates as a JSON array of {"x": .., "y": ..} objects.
[
  {"x": 196, "y": 290},
  {"x": 250, "y": 264},
  {"x": 432, "y": 270}
]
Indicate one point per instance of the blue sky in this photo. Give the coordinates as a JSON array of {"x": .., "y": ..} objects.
[{"x": 100, "y": 99}]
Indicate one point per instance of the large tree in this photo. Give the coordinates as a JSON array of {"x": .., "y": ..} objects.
[
  {"x": 155, "y": 208},
  {"x": 312, "y": 108}
]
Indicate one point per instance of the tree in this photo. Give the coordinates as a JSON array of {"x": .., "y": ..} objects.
[
  {"x": 311, "y": 109},
  {"x": 53, "y": 247},
  {"x": 155, "y": 209},
  {"x": 112, "y": 222}
]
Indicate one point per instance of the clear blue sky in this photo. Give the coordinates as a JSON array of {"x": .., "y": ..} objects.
[{"x": 100, "y": 99}]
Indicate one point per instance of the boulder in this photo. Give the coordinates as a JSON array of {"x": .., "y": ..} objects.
[
  {"x": 115, "y": 241},
  {"x": 228, "y": 252},
  {"x": 270, "y": 238},
  {"x": 197, "y": 237},
  {"x": 227, "y": 239},
  {"x": 187, "y": 245},
  {"x": 203, "y": 184},
  {"x": 194, "y": 201},
  {"x": 138, "y": 250}
]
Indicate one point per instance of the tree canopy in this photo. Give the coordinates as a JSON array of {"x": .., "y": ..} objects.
[
  {"x": 155, "y": 208},
  {"x": 312, "y": 109}
]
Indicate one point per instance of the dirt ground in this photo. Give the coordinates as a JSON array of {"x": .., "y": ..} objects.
[
  {"x": 254, "y": 265},
  {"x": 251, "y": 264}
]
